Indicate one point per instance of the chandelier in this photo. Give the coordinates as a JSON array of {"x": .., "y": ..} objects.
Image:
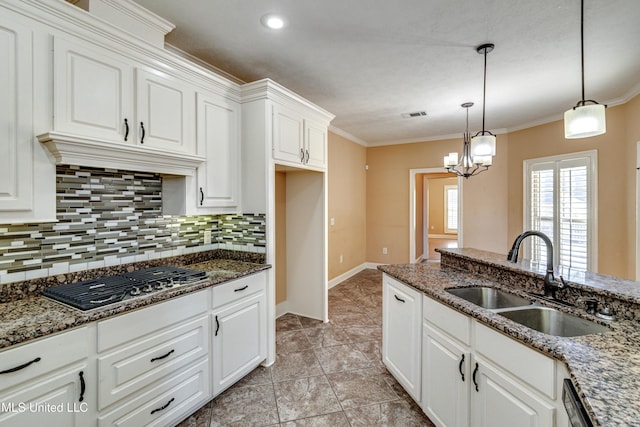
[{"x": 477, "y": 152}]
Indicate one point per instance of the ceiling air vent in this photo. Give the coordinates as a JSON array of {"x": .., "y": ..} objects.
[{"x": 414, "y": 114}]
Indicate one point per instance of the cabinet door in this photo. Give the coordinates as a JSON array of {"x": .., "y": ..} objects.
[
  {"x": 165, "y": 109},
  {"x": 92, "y": 91},
  {"x": 16, "y": 132},
  {"x": 315, "y": 137},
  {"x": 500, "y": 401},
  {"x": 445, "y": 379},
  {"x": 239, "y": 340},
  {"x": 401, "y": 334},
  {"x": 218, "y": 139},
  {"x": 52, "y": 401},
  {"x": 287, "y": 135}
]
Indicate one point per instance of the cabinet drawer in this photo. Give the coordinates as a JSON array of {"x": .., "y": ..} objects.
[
  {"x": 135, "y": 366},
  {"x": 47, "y": 354},
  {"x": 166, "y": 403},
  {"x": 118, "y": 330},
  {"x": 238, "y": 289},
  {"x": 533, "y": 368},
  {"x": 450, "y": 321}
]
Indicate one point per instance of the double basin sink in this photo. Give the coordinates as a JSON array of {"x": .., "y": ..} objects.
[{"x": 547, "y": 320}]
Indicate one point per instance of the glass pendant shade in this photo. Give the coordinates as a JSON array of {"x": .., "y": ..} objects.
[
  {"x": 585, "y": 121},
  {"x": 483, "y": 145}
]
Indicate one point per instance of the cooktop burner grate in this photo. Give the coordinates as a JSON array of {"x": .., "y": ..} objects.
[{"x": 102, "y": 291}]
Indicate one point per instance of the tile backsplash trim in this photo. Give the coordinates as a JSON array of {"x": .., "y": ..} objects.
[{"x": 108, "y": 217}]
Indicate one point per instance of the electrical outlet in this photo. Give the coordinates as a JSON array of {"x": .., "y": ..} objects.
[
  {"x": 332, "y": 221},
  {"x": 384, "y": 251},
  {"x": 207, "y": 237},
  {"x": 340, "y": 259}
]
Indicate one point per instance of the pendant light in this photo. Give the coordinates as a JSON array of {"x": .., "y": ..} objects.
[
  {"x": 587, "y": 118},
  {"x": 467, "y": 165},
  {"x": 483, "y": 144}
]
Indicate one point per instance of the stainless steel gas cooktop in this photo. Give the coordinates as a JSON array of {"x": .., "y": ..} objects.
[{"x": 107, "y": 290}]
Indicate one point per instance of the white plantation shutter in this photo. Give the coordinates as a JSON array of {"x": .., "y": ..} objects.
[
  {"x": 560, "y": 202},
  {"x": 573, "y": 215},
  {"x": 541, "y": 208}
]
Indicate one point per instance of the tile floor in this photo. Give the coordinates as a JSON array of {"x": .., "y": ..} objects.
[{"x": 324, "y": 374}]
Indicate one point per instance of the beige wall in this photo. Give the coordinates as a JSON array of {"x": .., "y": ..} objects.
[
  {"x": 492, "y": 201},
  {"x": 388, "y": 198},
  {"x": 281, "y": 236},
  {"x": 347, "y": 205},
  {"x": 436, "y": 203},
  {"x": 616, "y": 180}
]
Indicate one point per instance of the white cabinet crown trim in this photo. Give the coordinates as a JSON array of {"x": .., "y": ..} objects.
[{"x": 75, "y": 150}]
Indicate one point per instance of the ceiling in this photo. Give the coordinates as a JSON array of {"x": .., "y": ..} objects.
[{"x": 369, "y": 61}]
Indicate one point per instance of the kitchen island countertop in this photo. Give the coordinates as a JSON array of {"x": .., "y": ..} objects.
[{"x": 605, "y": 368}]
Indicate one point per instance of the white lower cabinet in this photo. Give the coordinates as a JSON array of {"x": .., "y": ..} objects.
[
  {"x": 401, "y": 333},
  {"x": 48, "y": 382},
  {"x": 467, "y": 374},
  {"x": 239, "y": 329},
  {"x": 149, "y": 367},
  {"x": 445, "y": 379},
  {"x": 156, "y": 372},
  {"x": 499, "y": 400}
]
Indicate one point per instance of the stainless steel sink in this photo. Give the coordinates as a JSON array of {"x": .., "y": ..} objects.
[
  {"x": 489, "y": 298},
  {"x": 553, "y": 322}
]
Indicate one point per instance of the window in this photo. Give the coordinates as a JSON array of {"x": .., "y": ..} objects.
[
  {"x": 560, "y": 193},
  {"x": 451, "y": 209}
]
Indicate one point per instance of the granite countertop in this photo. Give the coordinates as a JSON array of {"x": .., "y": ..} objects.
[
  {"x": 36, "y": 316},
  {"x": 605, "y": 368}
]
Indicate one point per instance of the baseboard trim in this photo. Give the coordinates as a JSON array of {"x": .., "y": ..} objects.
[
  {"x": 347, "y": 274},
  {"x": 344, "y": 276},
  {"x": 443, "y": 236},
  {"x": 282, "y": 308}
]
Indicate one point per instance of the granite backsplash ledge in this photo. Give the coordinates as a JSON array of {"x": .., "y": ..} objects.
[
  {"x": 18, "y": 290},
  {"x": 620, "y": 295}
]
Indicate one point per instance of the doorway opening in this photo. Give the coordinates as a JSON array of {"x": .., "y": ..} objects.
[{"x": 435, "y": 213}]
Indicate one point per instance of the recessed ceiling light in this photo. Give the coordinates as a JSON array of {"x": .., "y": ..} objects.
[{"x": 274, "y": 22}]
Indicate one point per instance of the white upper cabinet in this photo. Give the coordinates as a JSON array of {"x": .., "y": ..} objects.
[
  {"x": 92, "y": 92},
  {"x": 16, "y": 168},
  {"x": 115, "y": 108},
  {"x": 218, "y": 139},
  {"x": 215, "y": 188},
  {"x": 297, "y": 139},
  {"x": 27, "y": 193},
  {"x": 288, "y": 142},
  {"x": 315, "y": 136},
  {"x": 165, "y": 112},
  {"x": 103, "y": 95}
]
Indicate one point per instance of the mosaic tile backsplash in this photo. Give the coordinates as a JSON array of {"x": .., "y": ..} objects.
[{"x": 108, "y": 217}]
